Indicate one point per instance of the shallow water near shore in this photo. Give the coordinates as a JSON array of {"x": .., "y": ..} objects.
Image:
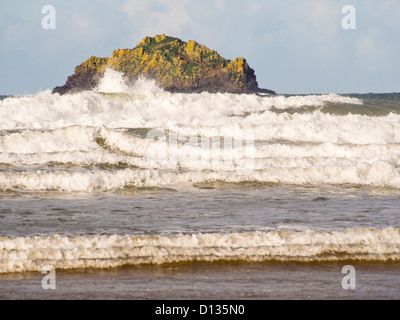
[
  {"x": 203, "y": 211},
  {"x": 212, "y": 281}
]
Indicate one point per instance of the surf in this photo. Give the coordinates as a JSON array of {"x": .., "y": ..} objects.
[
  {"x": 23, "y": 254},
  {"x": 120, "y": 136}
]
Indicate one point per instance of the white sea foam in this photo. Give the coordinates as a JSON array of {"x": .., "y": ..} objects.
[
  {"x": 379, "y": 174},
  {"x": 113, "y": 82},
  {"x": 173, "y": 160},
  {"x": 62, "y": 252},
  {"x": 146, "y": 105},
  {"x": 58, "y": 140},
  {"x": 120, "y": 136}
]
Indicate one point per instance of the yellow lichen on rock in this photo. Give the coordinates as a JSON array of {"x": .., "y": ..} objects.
[
  {"x": 93, "y": 63},
  {"x": 118, "y": 54},
  {"x": 146, "y": 40},
  {"x": 159, "y": 38},
  {"x": 121, "y": 53},
  {"x": 190, "y": 46},
  {"x": 152, "y": 64},
  {"x": 239, "y": 65},
  {"x": 144, "y": 58}
]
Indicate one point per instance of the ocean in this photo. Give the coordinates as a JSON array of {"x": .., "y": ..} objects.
[{"x": 137, "y": 193}]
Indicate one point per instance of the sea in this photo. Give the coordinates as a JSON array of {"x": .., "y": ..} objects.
[{"x": 141, "y": 194}]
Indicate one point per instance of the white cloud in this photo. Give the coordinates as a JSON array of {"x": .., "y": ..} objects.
[
  {"x": 255, "y": 7},
  {"x": 220, "y": 4},
  {"x": 366, "y": 44},
  {"x": 85, "y": 26},
  {"x": 169, "y": 16},
  {"x": 18, "y": 36},
  {"x": 311, "y": 28},
  {"x": 314, "y": 19},
  {"x": 11, "y": 37},
  {"x": 385, "y": 13},
  {"x": 371, "y": 53}
]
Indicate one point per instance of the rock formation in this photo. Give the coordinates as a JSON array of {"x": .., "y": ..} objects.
[{"x": 175, "y": 65}]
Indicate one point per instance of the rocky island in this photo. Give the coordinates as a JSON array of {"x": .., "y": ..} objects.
[{"x": 175, "y": 65}]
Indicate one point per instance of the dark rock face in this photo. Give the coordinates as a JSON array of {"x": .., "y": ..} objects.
[
  {"x": 86, "y": 76},
  {"x": 175, "y": 65}
]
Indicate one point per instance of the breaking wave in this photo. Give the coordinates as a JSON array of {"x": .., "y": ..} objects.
[
  {"x": 118, "y": 136},
  {"x": 110, "y": 251}
]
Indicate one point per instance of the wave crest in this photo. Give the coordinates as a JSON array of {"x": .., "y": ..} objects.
[
  {"x": 114, "y": 82},
  {"x": 63, "y": 252}
]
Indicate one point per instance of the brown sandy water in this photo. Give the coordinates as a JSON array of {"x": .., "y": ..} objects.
[{"x": 219, "y": 281}]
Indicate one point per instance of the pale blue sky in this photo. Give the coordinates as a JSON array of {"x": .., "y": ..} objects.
[{"x": 295, "y": 46}]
